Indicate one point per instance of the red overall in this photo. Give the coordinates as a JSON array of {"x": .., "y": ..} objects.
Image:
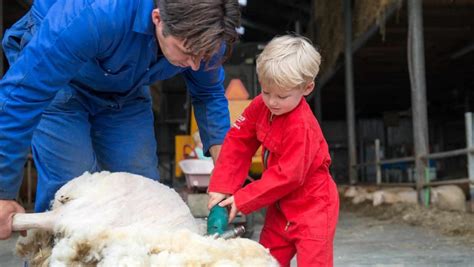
[{"x": 296, "y": 185}]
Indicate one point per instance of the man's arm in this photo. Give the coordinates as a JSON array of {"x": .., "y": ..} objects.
[
  {"x": 211, "y": 110},
  {"x": 214, "y": 151},
  {"x": 67, "y": 38},
  {"x": 64, "y": 42}
]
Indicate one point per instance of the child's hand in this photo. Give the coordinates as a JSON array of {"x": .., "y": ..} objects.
[
  {"x": 233, "y": 208},
  {"x": 215, "y": 198}
]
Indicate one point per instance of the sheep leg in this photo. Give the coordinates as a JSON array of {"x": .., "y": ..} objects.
[{"x": 26, "y": 221}]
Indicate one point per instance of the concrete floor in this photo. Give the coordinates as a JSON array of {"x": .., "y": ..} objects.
[
  {"x": 362, "y": 241},
  {"x": 7, "y": 258}
]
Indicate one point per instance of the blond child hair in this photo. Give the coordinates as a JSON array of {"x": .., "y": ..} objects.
[{"x": 288, "y": 62}]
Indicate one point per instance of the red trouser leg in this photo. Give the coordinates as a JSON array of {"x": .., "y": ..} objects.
[
  {"x": 280, "y": 248},
  {"x": 316, "y": 252}
]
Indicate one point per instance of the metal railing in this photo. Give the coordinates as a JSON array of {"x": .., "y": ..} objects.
[{"x": 468, "y": 151}]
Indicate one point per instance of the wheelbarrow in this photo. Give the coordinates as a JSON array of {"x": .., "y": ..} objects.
[{"x": 197, "y": 173}]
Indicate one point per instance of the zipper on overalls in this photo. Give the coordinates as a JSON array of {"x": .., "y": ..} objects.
[
  {"x": 287, "y": 222},
  {"x": 266, "y": 152}
]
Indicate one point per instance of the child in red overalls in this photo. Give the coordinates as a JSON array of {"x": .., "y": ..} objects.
[{"x": 296, "y": 185}]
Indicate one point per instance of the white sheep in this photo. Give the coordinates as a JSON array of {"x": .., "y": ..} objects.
[
  {"x": 394, "y": 195},
  {"x": 121, "y": 219},
  {"x": 448, "y": 197},
  {"x": 351, "y": 191},
  {"x": 359, "y": 194}
]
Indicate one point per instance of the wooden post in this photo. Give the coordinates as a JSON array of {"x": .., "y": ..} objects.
[
  {"x": 349, "y": 79},
  {"x": 470, "y": 153},
  {"x": 378, "y": 167},
  {"x": 416, "y": 67},
  {"x": 317, "y": 103}
]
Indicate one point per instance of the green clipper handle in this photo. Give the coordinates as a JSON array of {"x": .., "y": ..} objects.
[{"x": 217, "y": 220}]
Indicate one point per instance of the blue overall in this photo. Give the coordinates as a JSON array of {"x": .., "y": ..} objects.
[{"x": 77, "y": 93}]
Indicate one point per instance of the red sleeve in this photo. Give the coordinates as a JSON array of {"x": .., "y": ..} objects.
[
  {"x": 300, "y": 148},
  {"x": 235, "y": 158}
]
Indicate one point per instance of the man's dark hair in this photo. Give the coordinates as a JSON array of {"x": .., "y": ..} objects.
[{"x": 204, "y": 25}]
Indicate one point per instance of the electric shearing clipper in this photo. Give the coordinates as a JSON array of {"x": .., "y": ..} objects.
[{"x": 218, "y": 222}]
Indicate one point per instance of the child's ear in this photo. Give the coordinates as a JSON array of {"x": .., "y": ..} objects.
[{"x": 308, "y": 89}]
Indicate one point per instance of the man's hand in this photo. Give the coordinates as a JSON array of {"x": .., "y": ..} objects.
[
  {"x": 233, "y": 208},
  {"x": 8, "y": 208},
  {"x": 214, "y": 151}
]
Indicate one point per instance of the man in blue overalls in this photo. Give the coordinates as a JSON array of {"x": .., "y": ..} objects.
[{"x": 77, "y": 89}]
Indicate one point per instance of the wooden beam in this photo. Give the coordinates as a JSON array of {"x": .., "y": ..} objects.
[
  {"x": 416, "y": 66},
  {"x": 349, "y": 82}
]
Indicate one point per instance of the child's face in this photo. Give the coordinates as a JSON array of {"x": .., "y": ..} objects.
[{"x": 281, "y": 101}]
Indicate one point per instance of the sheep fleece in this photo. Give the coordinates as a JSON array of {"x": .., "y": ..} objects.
[{"x": 122, "y": 219}]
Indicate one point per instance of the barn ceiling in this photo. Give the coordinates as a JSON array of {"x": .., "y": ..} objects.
[
  {"x": 380, "y": 65},
  {"x": 381, "y": 70},
  {"x": 264, "y": 19}
]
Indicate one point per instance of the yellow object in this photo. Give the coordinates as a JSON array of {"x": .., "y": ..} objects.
[
  {"x": 179, "y": 143},
  {"x": 194, "y": 126},
  {"x": 236, "y": 107},
  {"x": 238, "y": 96},
  {"x": 257, "y": 166}
]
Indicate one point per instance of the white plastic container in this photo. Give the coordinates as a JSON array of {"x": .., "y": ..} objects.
[{"x": 197, "y": 172}]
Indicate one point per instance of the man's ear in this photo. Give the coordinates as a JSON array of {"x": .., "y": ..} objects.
[
  {"x": 308, "y": 89},
  {"x": 155, "y": 16}
]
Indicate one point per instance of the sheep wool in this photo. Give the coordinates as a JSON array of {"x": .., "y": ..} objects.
[{"x": 122, "y": 219}]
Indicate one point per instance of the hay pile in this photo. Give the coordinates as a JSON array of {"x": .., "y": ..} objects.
[
  {"x": 368, "y": 12},
  {"x": 328, "y": 24},
  {"x": 329, "y": 31}
]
